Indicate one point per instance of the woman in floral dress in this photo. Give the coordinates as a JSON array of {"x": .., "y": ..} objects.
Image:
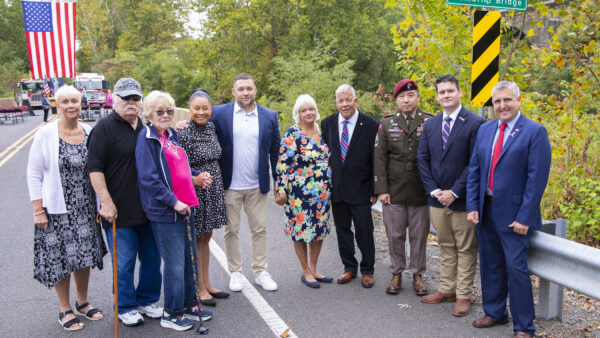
[
  {"x": 304, "y": 185},
  {"x": 67, "y": 239}
]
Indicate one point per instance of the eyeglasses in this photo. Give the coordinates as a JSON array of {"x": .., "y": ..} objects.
[
  {"x": 161, "y": 112},
  {"x": 131, "y": 97}
]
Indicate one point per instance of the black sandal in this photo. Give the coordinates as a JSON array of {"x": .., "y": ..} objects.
[
  {"x": 90, "y": 314},
  {"x": 69, "y": 325}
]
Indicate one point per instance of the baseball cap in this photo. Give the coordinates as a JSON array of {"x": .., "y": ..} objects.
[{"x": 127, "y": 86}]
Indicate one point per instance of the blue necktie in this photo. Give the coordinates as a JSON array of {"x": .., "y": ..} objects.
[
  {"x": 344, "y": 140},
  {"x": 446, "y": 131}
]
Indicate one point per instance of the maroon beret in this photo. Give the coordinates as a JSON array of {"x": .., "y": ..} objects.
[{"x": 404, "y": 85}]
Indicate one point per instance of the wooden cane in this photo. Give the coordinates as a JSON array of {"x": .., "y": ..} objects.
[{"x": 115, "y": 285}]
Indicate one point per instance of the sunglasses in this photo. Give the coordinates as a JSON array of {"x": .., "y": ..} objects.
[
  {"x": 131, "y": 97},
  {"x": 161, "y": 112}
]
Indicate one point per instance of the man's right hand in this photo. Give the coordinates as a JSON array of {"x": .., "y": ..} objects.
[
  {"x": 181, "y": 125},
  {"x": 384, "y": 198},
  {"x": 108, "y": 211},
  {"x": 473, "y": 217}
]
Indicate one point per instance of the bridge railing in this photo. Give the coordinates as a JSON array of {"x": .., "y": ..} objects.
[{"x": 559, "y": 263}]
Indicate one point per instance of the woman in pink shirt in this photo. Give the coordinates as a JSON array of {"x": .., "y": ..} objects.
[{"x": 167, "y": 193}]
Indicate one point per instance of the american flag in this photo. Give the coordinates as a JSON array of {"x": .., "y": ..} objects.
[
  {"x": 46, "y": 88},
  {"x": 50, "y": 31}
]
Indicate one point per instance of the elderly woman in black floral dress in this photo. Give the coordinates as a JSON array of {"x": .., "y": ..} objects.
[
  {"x": 67, "y": 238},
  {"x": 202, "y": 147}
]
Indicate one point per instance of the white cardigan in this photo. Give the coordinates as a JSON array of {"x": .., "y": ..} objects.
[{"x": 43, "y": 176}]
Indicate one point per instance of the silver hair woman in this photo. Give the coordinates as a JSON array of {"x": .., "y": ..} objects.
[{"x": 67, "y": 239}]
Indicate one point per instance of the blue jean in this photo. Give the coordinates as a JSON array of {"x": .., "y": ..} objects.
[
  {"x": 136, "y": 242},
  {"x": 178, "y": 280}
]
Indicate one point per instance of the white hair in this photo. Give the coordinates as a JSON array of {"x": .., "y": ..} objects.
[
  {"x": 301, "y": 102},
  {"x": 507, "y": 85},
  {"x": 66, "y": 91},
  {"x": 152, "y": 98},
  {"x": 344, "y": 89}
]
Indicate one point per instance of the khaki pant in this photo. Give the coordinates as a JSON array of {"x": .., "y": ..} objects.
[
  {"x": 457, "y": 238},
  {"x": 255, "y": 207},
  {"x": 396, "y": 218}
]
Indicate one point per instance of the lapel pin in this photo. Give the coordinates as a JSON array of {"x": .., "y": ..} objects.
[
  {"x": 361, "y": 123},
  {"x": 461, "y": 118}
]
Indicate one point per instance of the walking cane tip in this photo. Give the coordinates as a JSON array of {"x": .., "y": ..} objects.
[{"x": 202, "y": 329}]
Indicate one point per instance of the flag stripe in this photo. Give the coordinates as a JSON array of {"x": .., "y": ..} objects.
[
  {"x": 57, "y": 46},
  {"x": 73, "y": 21},
  {"x": 29, "y": 51},
  {"x": 68, "y": 28},
  {"x": 60, "y": 38},
  {"x": 37, "y": 55},
  {"x": 47, "y": 55}
]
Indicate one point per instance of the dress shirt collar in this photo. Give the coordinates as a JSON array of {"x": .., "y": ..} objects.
[
  {"x": 352, "y": 120},
  {"x": 237, "y": 109},
  {"x": 511, "y": 123},
  {"x": 413, "y": 114},
  {"x": 454, "y": 114}
]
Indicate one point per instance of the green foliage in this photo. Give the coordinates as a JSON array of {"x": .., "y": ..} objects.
[{"x": 312, "y": 74}]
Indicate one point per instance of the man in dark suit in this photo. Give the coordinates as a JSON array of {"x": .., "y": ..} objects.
[
  {"x": 444, "y": 154},
  {"x": 249, "y": 136},
  {"x": 350, "y": 135},
  {"x": 508, "y": 174}
]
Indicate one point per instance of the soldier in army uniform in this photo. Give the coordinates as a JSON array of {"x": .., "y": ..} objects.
[{"x": 399, "y": 187}]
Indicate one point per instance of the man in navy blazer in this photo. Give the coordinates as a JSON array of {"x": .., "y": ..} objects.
[
  {"x": 249, "y": 136},
  {"x": 444, "y": 153},
  {"x": 350, "y": 135},
  {"x": 508, "y": 174}
]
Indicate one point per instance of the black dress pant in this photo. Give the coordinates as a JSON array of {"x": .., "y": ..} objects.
[
  {"x": 360, "y": 214},
  {"x": 46, "y": 110}
]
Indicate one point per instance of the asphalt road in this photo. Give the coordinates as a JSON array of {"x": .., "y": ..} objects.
[{"x": 31, "y": 310}]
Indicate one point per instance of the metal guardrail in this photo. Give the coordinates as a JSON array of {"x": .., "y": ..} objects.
[{"x": 559, "y": 263}]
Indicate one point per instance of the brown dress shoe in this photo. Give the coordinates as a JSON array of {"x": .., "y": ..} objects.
[
  {"x": 486, "y": 321},
  {"x": 438, "y": 297},
  {"x": 395, "y": 284},
  {"x": 462, "y": 307},
  {"x": 367, "y": 281},
  {"x": 523, "y": 335},
  {"x": 418, "y": 285},
  {"x": 346, "y": 277}
]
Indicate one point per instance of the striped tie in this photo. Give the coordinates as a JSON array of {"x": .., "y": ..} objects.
[
  {"x": 446, "y": 131},
  {"x": 344, "y": 140}
]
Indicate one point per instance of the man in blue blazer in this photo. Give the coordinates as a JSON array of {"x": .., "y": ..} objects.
[
  {"x": 444, "y": 153},
  {"x": 508, "y": 174},
  {"x": 249, "y": 136}
]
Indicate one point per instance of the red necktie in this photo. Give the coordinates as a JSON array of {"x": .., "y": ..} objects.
[{"x": 496, "y": 156}]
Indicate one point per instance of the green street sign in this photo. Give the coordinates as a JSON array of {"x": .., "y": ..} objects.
[{"x": 515, "y": 5}]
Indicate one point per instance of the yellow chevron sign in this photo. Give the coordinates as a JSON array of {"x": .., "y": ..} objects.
[{"x": 486, "y": 57}]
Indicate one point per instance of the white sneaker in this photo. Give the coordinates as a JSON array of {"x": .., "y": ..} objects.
[
  {"x": 131, "y": 318},
  {"x": 235, "y": 283},
  {"x": 264, "y": 279},
  {"x": 151, "y": 311}
]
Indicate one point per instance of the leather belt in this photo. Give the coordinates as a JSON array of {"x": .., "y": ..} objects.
[{"x": 411, "y": 166}]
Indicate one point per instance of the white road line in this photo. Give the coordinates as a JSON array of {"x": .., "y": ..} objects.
[{"x": 267, "y": 313}]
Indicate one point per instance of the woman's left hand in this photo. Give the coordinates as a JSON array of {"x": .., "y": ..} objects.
[{"x": 41, "y": 220}]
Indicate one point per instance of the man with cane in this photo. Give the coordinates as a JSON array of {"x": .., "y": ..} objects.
[{"x": 112, "y": 168}]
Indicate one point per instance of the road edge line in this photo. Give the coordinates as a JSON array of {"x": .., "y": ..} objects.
[{"x": 266, "y": 312}]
